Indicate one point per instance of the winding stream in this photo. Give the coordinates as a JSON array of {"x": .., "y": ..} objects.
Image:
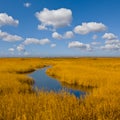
[{"x": 47, "y": 83}]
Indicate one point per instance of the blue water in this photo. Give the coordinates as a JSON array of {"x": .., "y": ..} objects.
[{"x": 43, "y": 81}]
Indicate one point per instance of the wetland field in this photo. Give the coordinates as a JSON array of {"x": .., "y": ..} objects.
[{"x": 99, "y": 78}]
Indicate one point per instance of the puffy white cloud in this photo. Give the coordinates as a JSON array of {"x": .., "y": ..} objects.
[
  {"x": 7, "y": 20},
  {"x": 114, "y": 47},
  {"x": 111, "y": 44},
  {"x": 55, "y": 18},
  {"x": 9, "y": 38},
  {"x": 42, "y": 27},
  {"x": 27, "y": 4},
  {"x": 68, "y": 35},
  {"x": 94, "y": 37},
  {"x": 86, "y": 28},
  {"x": 36, "y": 41},
  {"x": 77, "y": 44},
  {"x": 53, "y": 45},
  {"x": 21, "y": 47},
  {"x": 56, "y": 35},
  {"x": 109, "y": 36},
  {"x": 11, "y": 49}
]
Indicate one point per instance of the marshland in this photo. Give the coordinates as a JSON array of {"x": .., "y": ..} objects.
[
  {"x": 99, "y": 78},
  {"x": 59, "y": 60}
]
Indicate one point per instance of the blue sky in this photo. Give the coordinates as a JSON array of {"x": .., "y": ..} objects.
[{"x": 59, "y": 28}]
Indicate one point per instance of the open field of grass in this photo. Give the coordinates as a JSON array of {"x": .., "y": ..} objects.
[{"x": 19, "y": 102}]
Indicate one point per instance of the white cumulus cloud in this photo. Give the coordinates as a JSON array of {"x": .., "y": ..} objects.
[
  {"x": 68, "y": 35},
  {"x": 86, "y": 28},
  {"x": 42, "y": 27},
  {"x": 113, "y": 47},
  {"x": 111, "y": 44},
  {"x": 5, "y": 19},
  {"x": 9, "y": 38},
  {"x": 36, "y": 41},
  {"x": 109, "y": 36},
  {"x": 55, "y": 18},
  {"x": 77, "y": 44},
  {"x": 56, "y": 35},
  {"x": 27, "y": 4},
  {"x": 21, "y": 47}
]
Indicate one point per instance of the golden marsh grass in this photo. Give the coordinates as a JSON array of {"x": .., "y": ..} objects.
[{"x": 19, "y": 102}]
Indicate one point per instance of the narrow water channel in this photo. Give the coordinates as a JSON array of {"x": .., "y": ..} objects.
[{"x": 43, "y": 81}]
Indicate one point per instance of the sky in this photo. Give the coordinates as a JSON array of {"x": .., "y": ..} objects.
[{"x": 55, "y": 28}]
